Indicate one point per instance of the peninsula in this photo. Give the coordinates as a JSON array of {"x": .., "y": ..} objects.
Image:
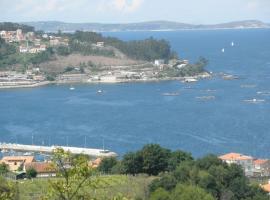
[{"x": 30, "y": 58}]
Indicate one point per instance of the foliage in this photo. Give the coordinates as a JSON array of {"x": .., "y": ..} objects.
[
  {"x": 107, "y": 164},
  {"x": 155, "y": 159},
  {"x": 132, "y": 163},
  {"x": 42, "y": 56},
  {"x": 31, "y": 173},
  {"x": 7, "y": 190},
  {"x": 9, "y": 26},
  {"x": 3, "y": 168},
  {"x": 63, "y": 50},
  {"x": 148, "y": 49},
  {"x": 210, "y": 174},
  {"x": 74, "y": 175}
]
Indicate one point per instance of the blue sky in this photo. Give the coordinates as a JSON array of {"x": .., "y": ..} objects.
[{"x": 122, "y": 11}]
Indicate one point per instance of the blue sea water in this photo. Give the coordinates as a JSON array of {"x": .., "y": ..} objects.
[{"x": 127, "y": 116}]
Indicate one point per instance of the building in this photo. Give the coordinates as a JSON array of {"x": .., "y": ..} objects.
[
  {"x": 54, "y": 42},
  {"x": 43, "y": 169},
  {"x": 100, "y": 44},
  {"x": 261, "y": 167},
  {"x": 16, "y": 162},
  {"x": 95, "y": 163},
  {"x": 159, "y": 62},
  {"x": 235, "y": 158},
  {"x": 23, "y": 49}
]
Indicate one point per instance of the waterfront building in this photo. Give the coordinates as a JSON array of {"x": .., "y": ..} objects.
[{"x": 235, "y": 158}]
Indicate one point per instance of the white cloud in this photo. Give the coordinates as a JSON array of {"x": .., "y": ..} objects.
[{"x": 123, "y": 6}]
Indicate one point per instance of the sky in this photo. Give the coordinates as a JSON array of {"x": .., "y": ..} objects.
[{"x": 125, "y": 11}]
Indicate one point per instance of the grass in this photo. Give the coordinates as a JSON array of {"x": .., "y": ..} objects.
[{"x": 113, "y": 185}]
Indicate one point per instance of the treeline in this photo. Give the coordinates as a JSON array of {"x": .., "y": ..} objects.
[
  {"x": 148, "y": 49},
  {"x": 9, "y": 26},
  {"x": 180, "y": 176},
  {"x": 6, "y": 51}
]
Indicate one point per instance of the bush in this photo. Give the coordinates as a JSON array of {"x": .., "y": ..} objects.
[{"x": 31, "y": 173}]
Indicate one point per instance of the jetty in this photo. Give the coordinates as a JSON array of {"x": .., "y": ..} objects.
[{"x": 51, "y": 149}]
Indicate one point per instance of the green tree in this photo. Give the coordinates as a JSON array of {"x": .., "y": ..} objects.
[
  {"x": 178, "y": 157},
  {"x": 75, "y": 177},
  {"x": 107, "y": 164},
  {"x": 155, "y": 159},
  {"x": 160, "y": 194},
  {"x": 189, "y": 192},
  {"x": 3, "y": 168},
  {"x": 132, "y": 163},
  {"x": 31, "y": 173}
]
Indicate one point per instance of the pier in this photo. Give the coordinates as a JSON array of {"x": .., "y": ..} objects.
[{"x": 51, "y": 149}]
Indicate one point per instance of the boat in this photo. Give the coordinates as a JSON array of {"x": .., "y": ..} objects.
[
  {"x": 171, "y": 94},
  {"x": 72, "y": 88},
  {"x": 229, "y": 77},
  {"x": 99, "y": 91},
  {"x": 248, "y": 86},
  {"x": 28, "y": 154},
  {"x": 206, "y": 98},
  {"x": 223, "y": 50},
  {"x": 190, "y": 80},
  {"x": 232, "y": 44},
  {"x": 265, "y": 93},
  {"x": 254, "y": 100}
]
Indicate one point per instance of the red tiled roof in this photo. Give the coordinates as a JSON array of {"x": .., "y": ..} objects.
[
  {"x": 40, "y": 167},
  {"x": 260, "y": 161},
  {"x": 266, "y": 187},
  {"x": 235, "y": 156}
]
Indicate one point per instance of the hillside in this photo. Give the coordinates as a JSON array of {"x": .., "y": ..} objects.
[{"x": 54, "y": 26}]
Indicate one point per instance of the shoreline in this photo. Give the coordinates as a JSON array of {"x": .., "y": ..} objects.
[{"x": 43, "y": 83}]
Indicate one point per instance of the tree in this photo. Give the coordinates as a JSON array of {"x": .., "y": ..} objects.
[
  {"x": 7, "y": 190},
  {"x": 132, "y": 163},
  {"x": 107, "y": 164},
  {"x": 178, "y": 157},
  {"x": 160, "y": 194},
  {"x": 3, "y": 168},
  {"x": 189, "y": 192},
  {"x": 31, "y": 172},
  {"x": 75, "y": 177},
  {"x": 155, "y": 159}
]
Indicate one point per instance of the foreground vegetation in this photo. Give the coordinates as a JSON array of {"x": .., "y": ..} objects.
[{"x": 169, "y": 175}]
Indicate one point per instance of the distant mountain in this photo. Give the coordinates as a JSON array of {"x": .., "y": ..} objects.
[{"x": 53, "y": 26}]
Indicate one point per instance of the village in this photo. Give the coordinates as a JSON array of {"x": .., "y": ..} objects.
[{"x": 30, "y": 42}]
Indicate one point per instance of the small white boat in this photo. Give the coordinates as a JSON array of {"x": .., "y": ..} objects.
[
  {"x": 190, "y": 80},
  {"x": 264, "y": 93},
  {"x": 229, "y": 77},
  {"x": 248, "y": 86},
  {"x": 28, "y": 154},
  {"x": 171, "y": 94},
  {"x": 205, "y": 98},
  {"x": 232, "y": 44},
  {"x": 99, "y": 91},
  {"x": 254, "y": 100},
  {"x": 72, "y": 88},
  {"x": 223, "y": 50}
]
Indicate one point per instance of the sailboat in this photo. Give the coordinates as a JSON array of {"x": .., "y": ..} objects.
[
  {"x": 223, "y": 50},
  {"x": 104, "y": 150},
  {"x": 232, "y": 44}
]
